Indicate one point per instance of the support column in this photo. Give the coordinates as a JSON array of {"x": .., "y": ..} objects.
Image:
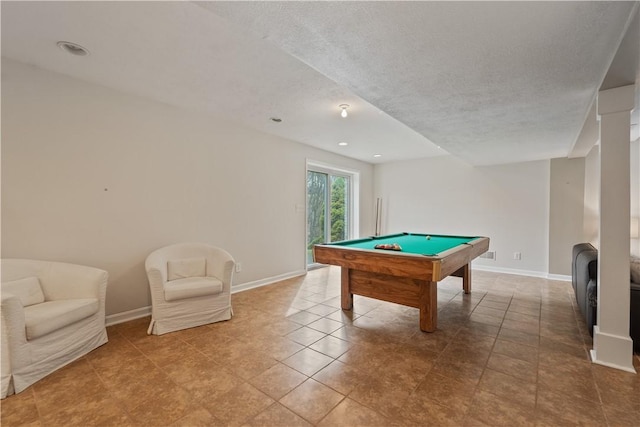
[{"x": 612, "y": 345}]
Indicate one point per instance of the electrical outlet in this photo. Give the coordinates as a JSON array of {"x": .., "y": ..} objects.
[
  {"x": 517, "y": 256},
  {"x": 238, "y": 267}
]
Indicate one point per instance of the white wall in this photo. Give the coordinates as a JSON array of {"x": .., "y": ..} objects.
[
  {"x": 592, "y": 196},
  {"x": 97, "y": 177},
  {"x": 443, "y": 195},
  {"x": 566, "y": 211}
]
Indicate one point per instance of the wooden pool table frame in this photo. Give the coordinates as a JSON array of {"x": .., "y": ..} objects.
[{"x": 400, "y": 277}]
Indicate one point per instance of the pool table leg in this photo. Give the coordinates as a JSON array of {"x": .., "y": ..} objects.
[
  {"x": 466, "y": 278},
  {"x": 428, "y": 306},
  {"x": 347, "y": 296}
]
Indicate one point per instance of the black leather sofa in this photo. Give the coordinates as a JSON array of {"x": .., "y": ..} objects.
[{"x": 585, "y": 285}]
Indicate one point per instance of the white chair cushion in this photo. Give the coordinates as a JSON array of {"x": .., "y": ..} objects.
[
  {"x": 40, "y": 319},
  {"x": 191, "y": 287},
  {"x": 27, "y": 289},
  {"x": 188, "y": 267}
]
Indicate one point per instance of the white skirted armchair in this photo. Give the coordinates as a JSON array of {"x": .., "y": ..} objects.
[
  {"x": 190, "y": 286},
  {"x": 52, "y": 314}
]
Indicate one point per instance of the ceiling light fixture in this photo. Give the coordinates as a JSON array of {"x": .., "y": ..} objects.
[
  {"x": 344, "y": 107},
  {"x": 73, "y": 48},
  {"x": 342, "y": 144},
  {"x": 377, "y": 155}
]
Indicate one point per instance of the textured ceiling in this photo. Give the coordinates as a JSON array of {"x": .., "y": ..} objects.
[{"x": 488, "y": 82}]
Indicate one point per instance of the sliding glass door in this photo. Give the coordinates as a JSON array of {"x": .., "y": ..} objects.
[{"x": 328, "y": 208}]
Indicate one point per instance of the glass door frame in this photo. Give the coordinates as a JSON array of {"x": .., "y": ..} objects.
[{"x": 353, "y": 194}]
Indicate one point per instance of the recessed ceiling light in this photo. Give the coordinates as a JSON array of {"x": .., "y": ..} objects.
[
  {"x": 73, "y": 48},
  {"x": 377, "y": 155},
  {"x": 275, "y": 119},
  {"x": 343, "y": 143}
]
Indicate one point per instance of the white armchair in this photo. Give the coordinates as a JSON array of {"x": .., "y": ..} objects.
[
  {"x": 190, "y": 286},
  {"x": 52, "y": 313}
]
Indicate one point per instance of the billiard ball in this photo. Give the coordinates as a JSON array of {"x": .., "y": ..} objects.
[{"x": 428, "y": 237}]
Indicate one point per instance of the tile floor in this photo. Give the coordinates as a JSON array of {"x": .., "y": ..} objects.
[{"x": 513, "y": 352}]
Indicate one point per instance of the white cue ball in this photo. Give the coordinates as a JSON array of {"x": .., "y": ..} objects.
[{"x": 428, "y": 237}]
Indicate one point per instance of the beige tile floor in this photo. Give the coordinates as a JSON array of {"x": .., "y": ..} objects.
[{"x": 513, "y": 352}]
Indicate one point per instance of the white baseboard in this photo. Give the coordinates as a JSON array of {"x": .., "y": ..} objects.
[
  {"x": 125, "y": 316},
  {"x": 530, "y": 273},
  {"x": 510, "y": 271},
  {"x": 267, "y": 281},
  {"x": 560, "y": 277}
]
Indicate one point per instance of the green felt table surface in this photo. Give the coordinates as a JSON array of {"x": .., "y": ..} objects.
[{"x": 410, "y": 242}]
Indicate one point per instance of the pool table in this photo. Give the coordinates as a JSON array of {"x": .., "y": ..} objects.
[{"x": 408, "y": 276}]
